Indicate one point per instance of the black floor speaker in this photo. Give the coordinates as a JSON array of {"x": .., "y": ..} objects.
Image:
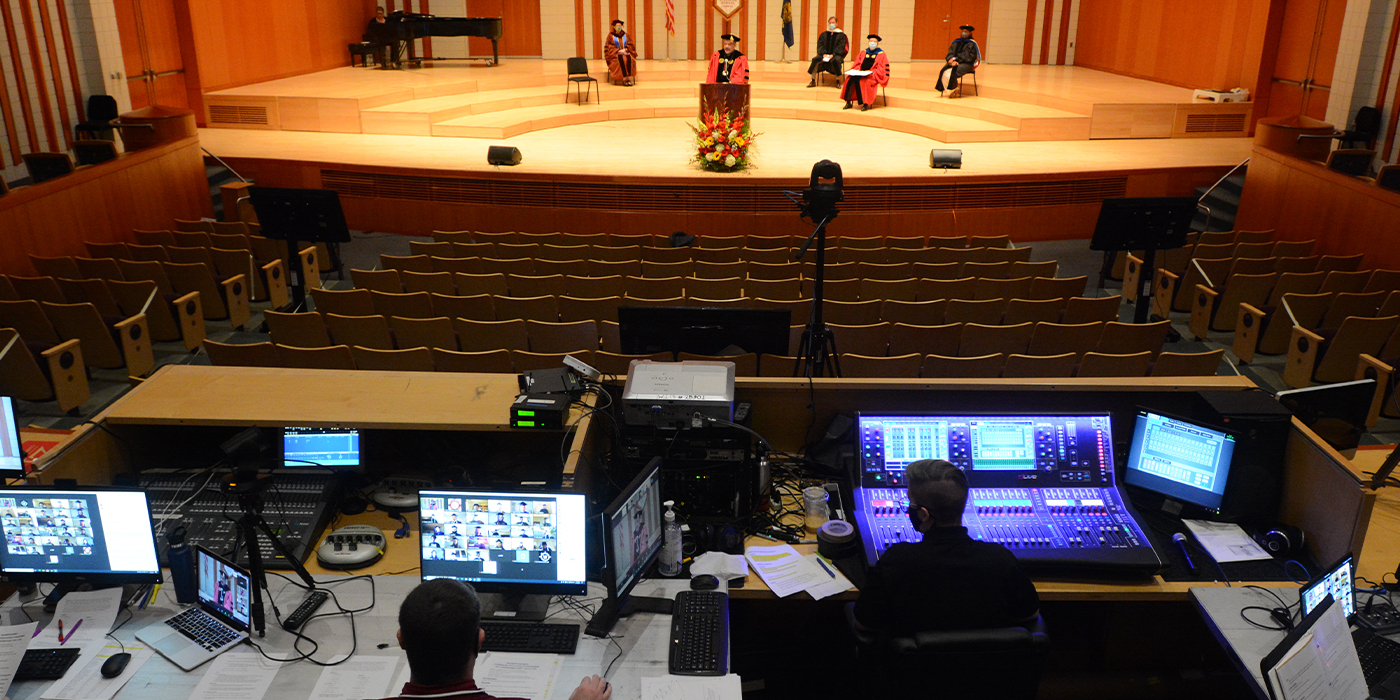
[
  {"x": 503, "y": 155},
  {"x": 946, "y": 159}
]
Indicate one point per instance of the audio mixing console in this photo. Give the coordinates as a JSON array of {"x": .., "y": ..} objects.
[{"x": 1043, "y": 486}]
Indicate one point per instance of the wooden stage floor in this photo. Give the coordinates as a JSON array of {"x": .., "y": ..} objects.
[{"x": 1013, "y": 102}]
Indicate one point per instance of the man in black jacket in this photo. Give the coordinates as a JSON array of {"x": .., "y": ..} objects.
[
  {"x": 948, "y": 580},
  {"x": 963, "y": 57},
  {"x": 832, "y": 46}
]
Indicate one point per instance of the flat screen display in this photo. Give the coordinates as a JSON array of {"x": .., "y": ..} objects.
[
  {"x": 77, "y": 532},
  {"x": 11, "y": 447},
  {"x": 1180, "y": 460},
  {"x": 1336, "y": 583},
  {"x": 328, "y": 447},
  {"x": 224, "y": 588},
  {"x": 503, "y": 541},
  {"x": 634, "y": 529}
]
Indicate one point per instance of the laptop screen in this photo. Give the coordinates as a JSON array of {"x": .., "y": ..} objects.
[
  {"x": 223, "y": 589},
  {"x": 1336, "y": 582}
]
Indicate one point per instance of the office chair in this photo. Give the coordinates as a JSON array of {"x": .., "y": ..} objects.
[
  {"x": 1003, "y": 663},
  {"x": 1364, "y": 129},
  {"x": 578, "y": 74},
  {"x": 46, "y": 166},
  {"x": 101, "y": 110}
]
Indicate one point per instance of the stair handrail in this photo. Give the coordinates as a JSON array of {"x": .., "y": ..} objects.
[{"x": 1226, "y": 176}]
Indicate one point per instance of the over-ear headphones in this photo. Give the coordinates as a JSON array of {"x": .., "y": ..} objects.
[{"x": 1282, "y": 540}]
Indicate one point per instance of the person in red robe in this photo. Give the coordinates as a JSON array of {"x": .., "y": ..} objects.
[
  {"x": 861, "y": 88},
  {"x": 727, "y": 65},
  {"x": 621, "y": 55}
]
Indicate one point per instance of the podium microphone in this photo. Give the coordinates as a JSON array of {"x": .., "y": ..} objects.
[{"x": 1180, "y": 541}]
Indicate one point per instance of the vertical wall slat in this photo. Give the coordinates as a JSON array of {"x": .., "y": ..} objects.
[
  {"x": 1027, "y": 56},
  {"x": 18, "y": 62},
  {"x": 78, "y": 106},
  {"x": 55, "y": 72}
]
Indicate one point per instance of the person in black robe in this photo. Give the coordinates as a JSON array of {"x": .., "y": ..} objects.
[
  {"x": 832, "y": 47},
  {"x": 963, "y": 57},
  {"x": 384, "y": 38}
]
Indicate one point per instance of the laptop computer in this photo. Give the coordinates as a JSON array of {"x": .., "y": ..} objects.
[
  {"x": 1379, "y": 656},
  {"x": 217, "y": 623}
]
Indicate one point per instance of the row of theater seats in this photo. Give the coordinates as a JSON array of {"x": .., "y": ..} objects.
[
  {"x": 1141, "y": 342},
  {"x": 548, "y": 307},
  {"x": 582, "y": 287},
  {"x": 646, "y": 240},
  {"x": 421, "y": 359},
  {"x": 771, "y": 256}
]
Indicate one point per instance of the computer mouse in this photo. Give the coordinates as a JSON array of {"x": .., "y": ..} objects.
[
  {"x": 115, "y": 664},
  {"x": 704, "y": 582}
]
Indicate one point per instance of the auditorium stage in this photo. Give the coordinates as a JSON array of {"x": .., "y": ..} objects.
[{"x": 618, "y": 169}]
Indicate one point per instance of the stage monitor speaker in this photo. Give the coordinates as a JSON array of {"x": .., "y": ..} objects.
[
  {"x": 945, "y": 159},
  {"x": 503, "y": 155}
]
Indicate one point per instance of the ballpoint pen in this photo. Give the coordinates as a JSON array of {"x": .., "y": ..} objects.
[
  {"x": 60, "y": 631},
  {"x": 825, "y": 568},
  {"x": 64, "y": 640}
]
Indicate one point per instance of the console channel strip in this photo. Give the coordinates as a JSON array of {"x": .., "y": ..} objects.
[{"x": 1043, "y": 486}]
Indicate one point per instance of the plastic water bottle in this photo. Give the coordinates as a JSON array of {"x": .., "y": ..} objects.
[
  {"x": 182, "y": 573},
  {"x": 669, "y": 563}
]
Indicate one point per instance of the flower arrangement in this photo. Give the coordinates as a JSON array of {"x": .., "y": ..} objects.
[{"x": 724, "y": 142}]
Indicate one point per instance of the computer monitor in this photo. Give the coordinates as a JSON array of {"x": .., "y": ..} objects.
[
  {"x": 11, "y": 447},
  {"x": 91, "y": 535},
  {"x": 632, "y": 534},
  {"x": 644, "y": 330},
  {"x": 1336, "y": 412},
  {"x": 1180, "y": 460},
  {"x": 1335, "y": 582},
  {"x": 328, "y": 447},
  {"x": 516, "y": 548}
]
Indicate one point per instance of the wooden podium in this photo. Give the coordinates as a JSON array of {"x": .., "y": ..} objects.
[{"x": 724, "y": 97}]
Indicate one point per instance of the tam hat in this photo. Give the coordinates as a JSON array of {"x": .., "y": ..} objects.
[
  {"x": 876, "y": 37},
  {"x": 968, "y": 27},
  {"x": 729, "y": 37},
  {"x": 617, "y": 22}
]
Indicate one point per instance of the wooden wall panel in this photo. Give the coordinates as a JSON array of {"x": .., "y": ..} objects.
[
  {"x": 1172, "y": 42},
  {"x": 144, "y": 189},
  {"x": 41, "y": 95},
  {"x": 1303, "y": 199}
]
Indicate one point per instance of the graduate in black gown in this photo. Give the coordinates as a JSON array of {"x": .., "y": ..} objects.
[
  {"x": 832, "y": 47},
  {"x": 963, "y": 57}
]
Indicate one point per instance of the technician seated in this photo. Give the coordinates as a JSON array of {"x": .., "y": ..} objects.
[
  {"x": 947, "y": 581},
  {"x": 435, "y": 630}
]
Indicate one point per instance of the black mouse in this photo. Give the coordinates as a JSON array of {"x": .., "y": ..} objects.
[
  {"x": 115, "y": 664},
  {"x": 704, "y": 582}
]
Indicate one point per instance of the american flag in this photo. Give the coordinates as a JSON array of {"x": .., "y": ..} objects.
[{"x": 671, "y": 17}]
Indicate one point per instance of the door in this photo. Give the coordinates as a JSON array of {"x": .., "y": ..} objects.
[
  {"x": 155, "y": 71},
  {"x": 936, "y": 25},
  {"x": 1307, "y": 55}
]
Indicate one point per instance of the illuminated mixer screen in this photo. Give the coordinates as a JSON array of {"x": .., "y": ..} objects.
[{"x": 995, "y": 450}]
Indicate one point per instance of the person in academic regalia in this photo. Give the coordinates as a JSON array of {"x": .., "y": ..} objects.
[
  {"x": 380, "y": 34},
  {"x": 963, "y": 57},
  {"x": 727, "y": 65},
  {"x": 621, "y": 55},
  {"x": 832, "y": 47},
  {"x": 861, "y": 88}
]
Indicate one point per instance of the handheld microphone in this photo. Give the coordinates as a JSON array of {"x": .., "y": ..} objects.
[{"x": 1180, "y": 541}]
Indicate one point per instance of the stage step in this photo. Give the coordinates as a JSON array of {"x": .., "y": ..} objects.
[{"x": 506, "y": 124}]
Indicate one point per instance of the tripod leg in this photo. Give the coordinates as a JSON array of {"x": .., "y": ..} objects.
[
  {"x": 286, "y": 553},
  {"x": 247, "y": 529}
]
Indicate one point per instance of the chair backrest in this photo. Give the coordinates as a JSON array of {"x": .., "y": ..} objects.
[
  {"x": 349, "y": 302},
  {"x": 898, "y": 367},
  {"x": 241, "y": 354},
  {"x": 979, "y": 339},
  {"x": 47, "y": 166},
  {"x": 1004, "y": 663},
  {"x": 871, "y": 339},
  {"x": 1129, "y": 338},
  {"x": 1389, "y": 177},
  {"x": 334, "y": 357},
  {"x": 360, "y": 331},
  {"x": 407, "y": 305},
  {"x": 938, "y": 340},
  {"x": 988, "y": 312},
  {"x": 1351, "y": 161},
  {"x": 1368, "y": 121},
  {"x": 1033, "y": 310},
  {"x": 377, "y": 280},
  {"x": 489, "y": 361},
  {"x": 27, "y": 317},
  {"x": 94, "y": 151},
  {"x": 1188, "y": 364},
  {"x": 1095, "y": 364},
  {"x": 480, "y": 336},
  {"x": 302, "y": 330},
  {"x": 431, "y": 282},
  {"x": 980, "y": 367},
  {"x": 546, "y": 336},
  {"x": 38, "y": 289},
  {"x": 436, "y": 332},
  {"x": 578, "y": 65},
  {"x": 915, "y": 313},
  {"x": 525, "y": 361},
  {"x": 541, "y": 308},
  {"x": 852, "y": 313},
  {"x": 101, "y": 108},
  {"x": 412, "y": 360},
  {"x": 1028, "y": 366}
]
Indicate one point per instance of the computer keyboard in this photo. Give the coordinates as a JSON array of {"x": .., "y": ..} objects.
[
  {"x": 45, "y": 664},
  {"x": 203, "y": 629},
  {"x": 1379, "y": 656},
  {"x": 533, "y": 637},
  {"x": 700, "y": 634},
  {"x": 298, "y": 506}
]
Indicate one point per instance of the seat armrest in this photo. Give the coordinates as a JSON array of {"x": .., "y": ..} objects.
[
  {"x": 1369, "y": 367},
  {"x": 1248, "y": 325}
]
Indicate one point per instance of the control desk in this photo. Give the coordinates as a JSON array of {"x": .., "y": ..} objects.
[{"x": 1043, "y": 486}]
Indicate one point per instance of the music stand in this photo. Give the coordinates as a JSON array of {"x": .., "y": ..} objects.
[
  {"x": 1149, "y": 224},
  {"x": 294, "y": 214}
]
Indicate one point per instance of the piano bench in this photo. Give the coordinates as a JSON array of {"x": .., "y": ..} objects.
[{"x": 365, "y": 51}]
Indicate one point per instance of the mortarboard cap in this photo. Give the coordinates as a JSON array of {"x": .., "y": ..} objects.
[
  {"x": 968, "y": 27},
  {"x": 729, "y": 37},
  {"x": 876, "y": 37}
]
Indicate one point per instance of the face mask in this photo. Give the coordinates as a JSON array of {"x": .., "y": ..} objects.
[
  {"x": 831, "y": 27},
  {"x": 874, "y": 46}
]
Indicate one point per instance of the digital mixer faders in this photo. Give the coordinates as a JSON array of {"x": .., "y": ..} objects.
[{"x": 1043, "y": 486}]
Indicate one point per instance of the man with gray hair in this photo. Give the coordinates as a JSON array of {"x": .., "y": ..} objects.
[{"x": 948, "y": 580}]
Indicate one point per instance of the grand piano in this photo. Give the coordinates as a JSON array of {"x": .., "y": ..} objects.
[{"x": 407, "y": 26}]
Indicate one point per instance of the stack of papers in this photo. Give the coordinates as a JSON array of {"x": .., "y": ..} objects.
[
  {"x": 1225, "y": 542},
  {"x": 787, "y": 572},
  {"x": 684, "y": 688},
  {"x": 1322, "y": 664}
]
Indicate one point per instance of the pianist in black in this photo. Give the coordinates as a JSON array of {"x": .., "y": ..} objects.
[{"x": 383, "y": 36}]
